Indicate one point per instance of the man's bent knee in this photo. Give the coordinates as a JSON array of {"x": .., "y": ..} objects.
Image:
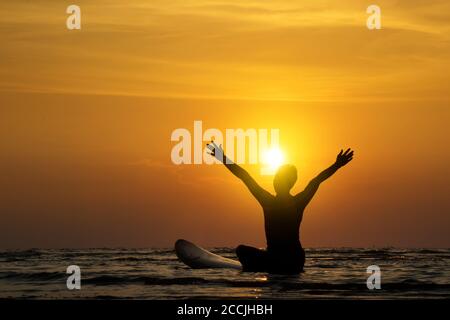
[{"x": 240, "y": 250}]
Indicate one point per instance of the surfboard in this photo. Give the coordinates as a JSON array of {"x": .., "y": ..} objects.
[{"x": 199, "y": 258}]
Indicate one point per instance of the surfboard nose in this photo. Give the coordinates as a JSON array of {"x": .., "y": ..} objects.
[
  {"x": 196, "y": 257},
  {"x": 180, "y": 242}
]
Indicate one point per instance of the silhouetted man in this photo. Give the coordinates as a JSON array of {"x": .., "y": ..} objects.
[{"x": 283, "y": 214}]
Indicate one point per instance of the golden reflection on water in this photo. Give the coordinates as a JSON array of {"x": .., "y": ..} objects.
[{"x": 261, "y": 278}]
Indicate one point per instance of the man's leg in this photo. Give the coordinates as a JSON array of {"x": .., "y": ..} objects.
[{"x": 252, "y": 259}]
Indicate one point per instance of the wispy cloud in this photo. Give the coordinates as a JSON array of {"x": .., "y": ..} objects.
[{"x": 222, "y": 49}]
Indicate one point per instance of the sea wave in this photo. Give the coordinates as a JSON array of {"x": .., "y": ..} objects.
[
  {"x": 19, "y": 254},
  {"x": 155, "y": 273},
  {"x": 32, "y": 276},
  {"x": 287, "y": 284}
]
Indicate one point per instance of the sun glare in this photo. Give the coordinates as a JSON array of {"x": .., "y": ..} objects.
[{"x": 272, "y": 159}]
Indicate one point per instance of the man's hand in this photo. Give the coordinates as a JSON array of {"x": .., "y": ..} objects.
[
  {"x": 344, "y": 157},
  {"x": 216, "y": 151}
]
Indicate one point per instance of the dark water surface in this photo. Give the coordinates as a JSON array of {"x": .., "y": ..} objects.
[{"x": 157, "y": 274}]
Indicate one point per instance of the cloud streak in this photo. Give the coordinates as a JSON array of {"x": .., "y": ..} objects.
[{"x": 218, "y": 49}]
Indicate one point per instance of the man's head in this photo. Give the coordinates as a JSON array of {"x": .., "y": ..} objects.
[{"x": 285, "y": 179}]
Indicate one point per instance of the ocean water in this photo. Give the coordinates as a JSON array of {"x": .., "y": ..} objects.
[{"x": 158, "y": 274}]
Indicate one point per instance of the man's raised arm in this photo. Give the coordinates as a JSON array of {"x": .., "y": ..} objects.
[
  {"x": 257, "y": 191},
  {"x": 341, "y": 160}
]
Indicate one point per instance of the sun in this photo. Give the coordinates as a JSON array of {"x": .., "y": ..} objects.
[{"x": 272, "y": 159}]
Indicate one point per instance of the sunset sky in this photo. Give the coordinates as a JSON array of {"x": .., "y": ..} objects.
[{"x": 86, "y": 118}]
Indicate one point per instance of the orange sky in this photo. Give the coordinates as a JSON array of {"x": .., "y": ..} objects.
[{"x": 86, "y": 118}]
